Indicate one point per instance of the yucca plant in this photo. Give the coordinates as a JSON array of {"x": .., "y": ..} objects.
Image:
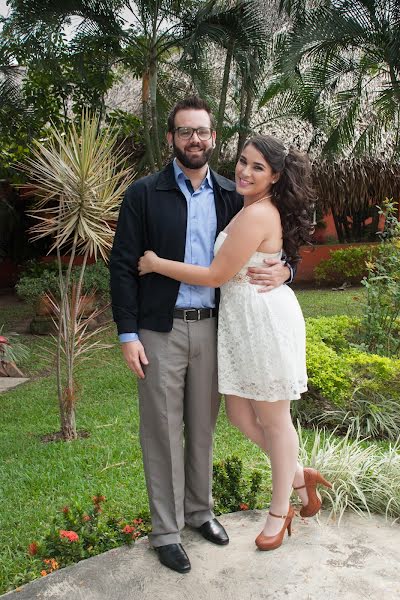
[{"x": 79, "y": 179}]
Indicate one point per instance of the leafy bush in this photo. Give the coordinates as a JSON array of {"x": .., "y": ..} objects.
[
  {"x": 39, "y": 278},
  {"x": 78, "y": 533},
  {"x": 30, "y": 288},
  {"x": 231, "y": 491},
  {"x": 348, "y": 387},
  {"x": 348, "y": 264},
  {"x": 381, "y": 322},
  {"x": 326, "y": 364}
]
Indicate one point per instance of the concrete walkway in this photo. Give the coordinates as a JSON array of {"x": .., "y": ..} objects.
[
  {"x": 360, "y": 560},
  {"x": 8, "y": 383}
]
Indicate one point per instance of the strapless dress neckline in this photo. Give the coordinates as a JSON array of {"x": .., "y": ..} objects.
[{"x": 269, "y": 254}]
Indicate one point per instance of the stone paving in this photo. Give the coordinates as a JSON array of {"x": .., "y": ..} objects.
[{"x": 360, "y": 560}]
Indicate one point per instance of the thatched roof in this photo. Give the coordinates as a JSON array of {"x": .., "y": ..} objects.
[{"x": 354, "y": 183}]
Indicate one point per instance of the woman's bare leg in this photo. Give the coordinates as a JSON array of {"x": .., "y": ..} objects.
[
  {"x": 283, "y": 449},
  {"x": 242, "y": 415}
]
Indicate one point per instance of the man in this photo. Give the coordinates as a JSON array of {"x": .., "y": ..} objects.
[{"x": 168, "y": 329}]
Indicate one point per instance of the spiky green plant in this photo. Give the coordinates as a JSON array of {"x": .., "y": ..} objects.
[
  {"x": 11, "y": 349},
  {"x": 79, "y": 179},
  {"x": 366, "y": 478},
  {"x": 371, "y": 414}
]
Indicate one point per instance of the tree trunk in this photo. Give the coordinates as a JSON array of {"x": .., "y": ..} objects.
[
  {"x": 154, "y": 120},
  {"x": 338, "y": 227},
  {"x": 146, "y": 120},
  {"x": 66, "y": 337},
  {"x": 245, "y": 122},
  {"x": 222, "y": 105},
  {"x": 241, "y": 117},
  {"x": 153, "y": 103},
  {"x": 68, "y": 424}
]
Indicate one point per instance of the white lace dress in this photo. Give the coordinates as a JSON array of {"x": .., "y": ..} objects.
[{"x": 261, "y": 338}]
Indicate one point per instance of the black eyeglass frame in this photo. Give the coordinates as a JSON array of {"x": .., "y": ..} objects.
[{"x": 194, "y": 130}]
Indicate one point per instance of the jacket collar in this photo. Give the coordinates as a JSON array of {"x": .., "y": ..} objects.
[{"x": 166, "y": 180}]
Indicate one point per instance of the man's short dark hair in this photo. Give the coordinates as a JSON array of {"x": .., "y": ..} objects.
[{"x": 192, "y": 102}]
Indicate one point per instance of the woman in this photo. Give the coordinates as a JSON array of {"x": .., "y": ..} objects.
[{"x": 261, "y": 337}]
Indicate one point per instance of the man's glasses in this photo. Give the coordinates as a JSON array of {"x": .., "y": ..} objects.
[{"x": 185, "y": 133}]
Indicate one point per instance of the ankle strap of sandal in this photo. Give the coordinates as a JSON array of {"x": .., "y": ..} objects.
[{"x": 277, "y": 516}]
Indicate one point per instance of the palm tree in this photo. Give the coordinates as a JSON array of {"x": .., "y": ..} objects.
[
  {"x": 79, "y": 181},
  {"x": 236, "y": 28},
  {"x": 338, "y": 66},
  {"x": 159, "y": 31},
  {"x": 154, "y": 33}
]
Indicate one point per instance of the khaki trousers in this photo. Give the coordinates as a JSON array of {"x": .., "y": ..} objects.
[{"x": 178, "y": 402}]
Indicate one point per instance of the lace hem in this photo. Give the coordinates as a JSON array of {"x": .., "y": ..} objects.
[{"x": 277, "y": 394}]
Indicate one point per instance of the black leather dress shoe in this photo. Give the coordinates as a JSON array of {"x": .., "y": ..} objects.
[
  {"x": 174, "y": 557},
  {"x": 214, "y": 532}
]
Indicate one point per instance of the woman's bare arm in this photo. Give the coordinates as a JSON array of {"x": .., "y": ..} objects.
[{"x": 252, "y": 226}]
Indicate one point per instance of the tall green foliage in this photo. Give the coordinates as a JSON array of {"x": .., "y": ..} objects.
[
  {"x": 337, "y": 66},
  {"x": 381, "y": 322}
]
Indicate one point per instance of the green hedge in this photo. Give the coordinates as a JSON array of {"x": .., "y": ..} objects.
[
  {"x": 345, "y": 380},
  {"x": 348, "y": 264}
]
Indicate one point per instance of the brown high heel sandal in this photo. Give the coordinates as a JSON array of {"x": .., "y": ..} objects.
[
  {"x": 271, "y": 542},
  {"x": 311, "y": 478}
]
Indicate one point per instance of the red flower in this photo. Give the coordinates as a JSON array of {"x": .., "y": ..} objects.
[
  {"x": 33, "y": 548},
  {"x": 3, "y": 340},
  {"x": 69, "y": 535},
  {"x": 65, "y": 510},
  {"x": 43, "y": 573},
  {"x": 98, "y": 499},
  {"x": 86, "y": 518},
  {"x": 137, "y": 521},
  {"x": 243, "y": 506},
  {"x": 128, "y": 529}
]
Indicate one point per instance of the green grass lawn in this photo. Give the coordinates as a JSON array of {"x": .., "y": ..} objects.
[
  {"x": 37, "y": 479},
  {"x": 325, "y": 303}
]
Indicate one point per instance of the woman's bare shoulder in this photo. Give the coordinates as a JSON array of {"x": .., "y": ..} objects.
[{"x": 263, "y": 210}]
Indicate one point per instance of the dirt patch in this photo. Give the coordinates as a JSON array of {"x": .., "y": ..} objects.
[{"x": 57, "y": 436}]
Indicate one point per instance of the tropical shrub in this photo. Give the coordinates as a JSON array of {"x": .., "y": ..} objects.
[
  {"x": 326, "y": 361},
  {"x": 347, "y": 264},
  {"x": 77, "y": 533},
  {"x": 367, "y": 414},
  {"x": 11, "y": 349},
  {"x": 39, "y": 278},
  {"x": 79, "y": 179},
  {"x": 365, "y": 477},
  {"x": 380, "y": 329},
  {"x": 349, "y": 388},
  {"x": 231, "y": 490}
]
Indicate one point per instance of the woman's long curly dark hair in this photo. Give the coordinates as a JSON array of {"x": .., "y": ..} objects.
[{"x": 292, "y": 194}]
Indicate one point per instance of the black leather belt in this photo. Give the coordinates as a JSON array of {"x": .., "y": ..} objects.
[{"x": 194, "y": 314}]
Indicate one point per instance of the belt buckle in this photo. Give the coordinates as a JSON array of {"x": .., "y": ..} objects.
[{"x": 186, "y": 320}]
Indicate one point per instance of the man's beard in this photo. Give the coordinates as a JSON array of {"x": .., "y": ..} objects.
[{"x": 191, "y": 162}]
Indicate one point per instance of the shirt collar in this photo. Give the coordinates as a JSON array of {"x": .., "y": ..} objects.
[{"x": 180, "y": 175}]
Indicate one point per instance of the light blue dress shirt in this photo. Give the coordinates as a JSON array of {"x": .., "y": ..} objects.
[{"x": 201, "y": 230}]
